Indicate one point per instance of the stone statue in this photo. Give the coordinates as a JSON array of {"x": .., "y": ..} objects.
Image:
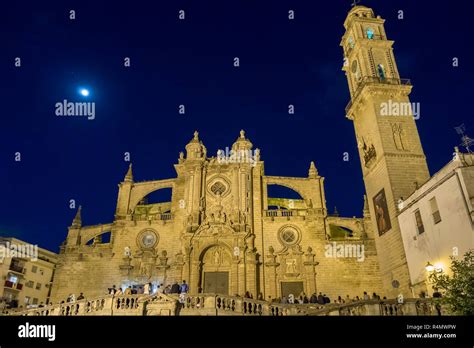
[
  {"x": 291, "y": 266},
  {"x": 217, "y": 257}
]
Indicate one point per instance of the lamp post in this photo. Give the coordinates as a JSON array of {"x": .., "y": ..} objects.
[{"x": 429, "y": 267}]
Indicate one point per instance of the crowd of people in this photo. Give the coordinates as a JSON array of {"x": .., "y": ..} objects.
[
  {"x": 183, "y": 288},
  {"x": 148, "y": 289},
  {"x": 321, "y": 299}
]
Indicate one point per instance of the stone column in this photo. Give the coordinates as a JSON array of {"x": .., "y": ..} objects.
[
  {"x": 235, "y": 277},
  {"x": 195, "y": 275},
  {"x": 251, "y": 271},
  {"x": 310, "y": 271},
  {"x": 271, "y": 274}
]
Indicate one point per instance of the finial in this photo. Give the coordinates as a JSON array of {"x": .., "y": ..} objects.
[
  {"x": 366, "y": 206},
  {"x": 271, "y": 251},
  {"x": 77, "y": 222},
  {"x": 242, "y": 134},
  {"x": 312, "y": 172},
  {"x": 129, "y": 175},
  {"x": 196, "y": 135},
  {"x": 336, "y": 213}
]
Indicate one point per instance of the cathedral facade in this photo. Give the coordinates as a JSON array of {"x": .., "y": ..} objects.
[{"x": 222, "y": 234}]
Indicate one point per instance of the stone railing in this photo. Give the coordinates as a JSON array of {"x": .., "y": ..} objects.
[
  {"x": 224, "y": 305},
  {"x": 411, "y": 307},
  {"x": 272, "y": 213},
  {"x": 106, "y": 305},
  {"x": 152, "y": 217},
  {"x": 213, "y": 304},
  {"x": 370, "y": 80}
]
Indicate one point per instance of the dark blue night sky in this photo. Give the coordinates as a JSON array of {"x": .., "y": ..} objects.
[{"x": 190, "y": 62}]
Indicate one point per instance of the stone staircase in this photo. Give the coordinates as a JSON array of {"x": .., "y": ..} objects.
[{"x": 223, "y": 305}]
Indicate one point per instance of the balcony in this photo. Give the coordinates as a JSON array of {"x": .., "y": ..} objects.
[
  {"x": 14, "y": 286},
  {"x": 15, "y": 268},
  {"x": 373, "y": 80}
]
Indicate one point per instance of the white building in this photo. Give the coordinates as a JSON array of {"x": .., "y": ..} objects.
[
  {"x": 437, "y": 221},
  {"x": 26, "y": 273}
]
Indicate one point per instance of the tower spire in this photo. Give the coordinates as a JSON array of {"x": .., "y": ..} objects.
[
  {"x": 366, "y": 210},
  {"x": 129, "y": 175},
  {"x": 77, "y": 222},
  {"x": 312, "y": 172}
]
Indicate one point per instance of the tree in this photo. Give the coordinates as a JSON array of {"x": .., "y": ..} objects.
[{"x": 459, "y": 287}]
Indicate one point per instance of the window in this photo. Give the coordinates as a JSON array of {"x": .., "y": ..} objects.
[
  {"x": 12, "y": 278},
  {"x": 41, "y": 271},
  {"x": 29, "y": 284},
  {"x": 27, "y": 299},
  {"x": 435, "y": 210},
  {"x": 288, "y": 236},
  {"x": 381, "y": 71},
  {"x": 34, "y": 269},
  {"x": 419, "y": 222},
  {"x": 35, "y": 301},
  {"x": 38, "y": 286},
  {"x": 218, "y": 188},
  {"x": 370, "y": 33}
]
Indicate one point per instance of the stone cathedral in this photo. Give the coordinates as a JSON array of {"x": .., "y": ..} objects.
[{"x": 222, "y": 233}]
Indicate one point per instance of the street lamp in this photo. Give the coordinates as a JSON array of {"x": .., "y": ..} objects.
[{"x": 429, "y": 267}]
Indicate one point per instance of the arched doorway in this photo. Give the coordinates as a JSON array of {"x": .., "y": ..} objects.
[{"x": 215, "y": 273}]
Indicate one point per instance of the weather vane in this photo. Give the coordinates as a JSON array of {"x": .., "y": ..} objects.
[
  {"x": 355, "y": 2},
  {"x": 466, "y": 140}
]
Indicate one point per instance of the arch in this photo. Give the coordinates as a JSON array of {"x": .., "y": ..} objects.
[
  {"x": 100, "y": 238},
  {"x": 352, "y": 227},
  {"x": 337, "y": 231},
  {"x": 284, "y": 197},
  {"x": 206, "y": 247},
  {"x": 139, "y": 190},
  {"x": 158, "y": 196},
  {"x": 299, "y": 185},
  {"x": 282, "y": 191},
  {"x": 381, "y": 72},
  {"x": 215, "y": 262},
  {"x": 88, "y": 233},
  {"x": 370, "y": 33}
]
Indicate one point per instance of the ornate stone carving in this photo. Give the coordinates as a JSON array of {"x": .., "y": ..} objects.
[
  {"x": 399, "y": 136},
  {"x": 369, "y": 152}
]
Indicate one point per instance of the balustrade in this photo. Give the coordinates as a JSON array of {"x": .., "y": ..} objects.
[{"x": 212, "y": 304}]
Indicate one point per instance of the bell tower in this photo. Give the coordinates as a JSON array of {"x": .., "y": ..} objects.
[{"x": 391, "y": 154}]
